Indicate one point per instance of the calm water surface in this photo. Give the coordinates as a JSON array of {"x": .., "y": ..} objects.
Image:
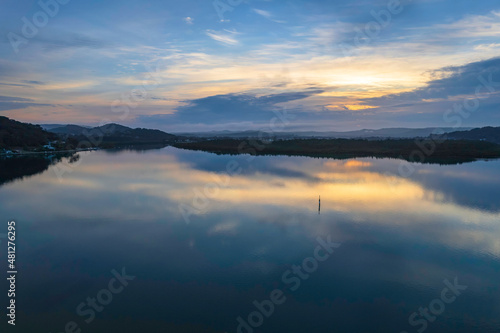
[{"x": 400, "y": 239}]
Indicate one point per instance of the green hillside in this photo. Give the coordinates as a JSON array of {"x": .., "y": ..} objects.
[{"x": 14, "y": 134}]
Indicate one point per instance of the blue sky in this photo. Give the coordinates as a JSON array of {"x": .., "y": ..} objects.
[{"x": 204, "y": 65}]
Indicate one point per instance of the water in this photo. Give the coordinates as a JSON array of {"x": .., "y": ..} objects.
[{"x": 400, "y": 239}]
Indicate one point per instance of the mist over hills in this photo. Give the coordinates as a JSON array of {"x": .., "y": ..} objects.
[
  {"x": 48, "y": 127},
  {"x": 384, "y": 133}
]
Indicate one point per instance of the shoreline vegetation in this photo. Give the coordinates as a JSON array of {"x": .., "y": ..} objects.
[
  {"x": 443, "y": 152},
  {"x": 46, "y": 152},
  {"x": 134, "y": 146}
]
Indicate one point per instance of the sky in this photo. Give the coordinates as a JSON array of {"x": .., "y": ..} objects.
[{"x": 192, "y": 65}]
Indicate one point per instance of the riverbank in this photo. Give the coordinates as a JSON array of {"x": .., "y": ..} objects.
[
  {"x": 446, "y": 152},
  {"x": 47, "y": 152}
]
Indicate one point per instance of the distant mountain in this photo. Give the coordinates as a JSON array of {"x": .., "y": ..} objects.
[
  {"x": 234, "y": 135},
  {"x": 14, "y": 134},
  {"x": 490, "y": 134},
  {"x": 385, "y": 133},
  {"x": 48, "y": 127},
  {"x": 68, "y": 129},
  {"x": 113, "y": 134}
]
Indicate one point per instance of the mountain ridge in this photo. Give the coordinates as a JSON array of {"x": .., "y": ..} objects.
[{"x": 489, "y": 133}]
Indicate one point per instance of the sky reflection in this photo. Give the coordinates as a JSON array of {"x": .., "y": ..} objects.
[{"x": 401, "y": 237}]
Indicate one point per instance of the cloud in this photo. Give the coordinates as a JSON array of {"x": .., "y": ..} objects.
[
  {"x": 264, "y": 13},
  {"x": 472, "y": 26},
  {"x": 222, "y": 38},
  {"x": 13, "y": 84},
  {"x": 14, "y": 99},
  {"x": 12, "y": 103},
  {"x": 267, "y": 15},
  {"x": 33, "y": 82},
  {"x": 451, "y": 82},
  {"x": 447, "y": 92},
  {"x": 229, "y": 108},
  {"x": 88, "y": 62},
  {"x": 71, "y": 40}
]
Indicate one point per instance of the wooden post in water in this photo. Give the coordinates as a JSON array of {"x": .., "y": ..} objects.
[{"x": 319, "y": 205}]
